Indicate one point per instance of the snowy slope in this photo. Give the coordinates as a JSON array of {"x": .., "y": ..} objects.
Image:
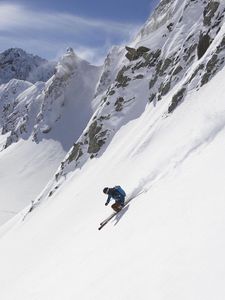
[
  {"x": 25, "y": 169},
  {"x": 158, "y": 126},
  {"x": 168, "y": 244},
  {"x": 58, "y": 109},
  {"x": 169, "y": 53},
  {"x": 39, "y": 123},
  {"x": 25, "y": 166}
]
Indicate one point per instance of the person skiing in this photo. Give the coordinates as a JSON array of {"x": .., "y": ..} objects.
[{"x": 118, "y": 194}]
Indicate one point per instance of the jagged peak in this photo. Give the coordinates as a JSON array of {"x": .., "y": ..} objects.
[
  {"x": 163, "y": 13},
  {"x": 71, "y": 61},
  {"x": 19, "y": 53},
  {"x": 17, "y": 63}
]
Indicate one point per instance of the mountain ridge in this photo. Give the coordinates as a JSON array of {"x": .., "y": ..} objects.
[
  {"x": 155, "y": 122},
  {"x": 18, "y": 64},
  {"x": 161, "y": 58},
  {"x": 161, "y": 67},
  {"x": 44, "y": 115}
]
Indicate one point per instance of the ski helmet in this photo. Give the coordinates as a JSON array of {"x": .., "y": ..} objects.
[{"x": 106, "y": 190}]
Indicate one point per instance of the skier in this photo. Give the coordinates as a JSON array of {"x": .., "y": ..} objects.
[{"x": 118, "y": 194}]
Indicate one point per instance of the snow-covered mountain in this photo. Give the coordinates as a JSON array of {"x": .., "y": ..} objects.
[
  {"x": 58, "y": 109},
  {"x": 42, "y": 120},
  {"x": 175, "y": 56},
  {"x": 15, "y": 63},
  {"x": 152, "y": 120}
]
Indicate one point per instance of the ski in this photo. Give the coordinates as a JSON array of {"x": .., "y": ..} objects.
[{"x": 103, "y": 223}]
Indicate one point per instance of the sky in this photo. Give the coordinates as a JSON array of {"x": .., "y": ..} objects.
[{"x": 47, "y": 27}]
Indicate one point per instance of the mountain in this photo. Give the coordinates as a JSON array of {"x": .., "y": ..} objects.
[
  {"x": 175, "y": 56},
  {"x": 39, "y": 123},
  {"x": 58, "y": 109},
  {"x": 15, "y": 63},
  {"x": 155, "y": 126}
]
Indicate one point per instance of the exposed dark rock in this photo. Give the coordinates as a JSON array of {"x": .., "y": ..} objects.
[
  {"x": 152, "y": 97},
  {"x": 6, "y": 108},
  {"x": 158, "y": 66},
  {"x": 140, "y": 64},
  {"x": 221, "y": 46},
  {"x": 177, "y": 98},
  {"x": 189, "y": 37},
  {"x": 16, "y": 63},
  {"x": 46, "y": 130},
  {"x": 157, "y": 53},
  {"x": 170, "y": 27},
  {"x": 150, "y": 60},
  {"x": 104, "y": 99},
  {"x": 164, "y": 88},
  {"x": 191, "y": 59},
  {"x": 93, "y": 130},
  {"x": 189, "y": 51},
  {"x": 218, "y": 21},
  {"x": 111, "y": 92},
  {"x": 22, "y": 129},
  {"x": 203, "y": 44},
  {"x": 11, "y": 139},
  {"x": 151, "y": 57},
  {"x": 209, "y": 12},
  {"x": 121, "y": 78},
  {"x": 75, "y": 153},
  {"x": 50, "y": 194},
  {"x": 177, "y": 70},
  {"x": 211, "y": 69},
  {"x": 165, "y": 66},
  {"x": 200, "y": 67},
  {"x": 139, "y": 76},
  {"x": 141, "y": 50},
  {"x": 119, "y": 104},
  {"x": 96, "y": 137},
  {"x": 131, "y": 53},
  {"x": 153, "y": 81},
  {"x": 134, "y": 54},
  {"x": 104, "y": 118}
]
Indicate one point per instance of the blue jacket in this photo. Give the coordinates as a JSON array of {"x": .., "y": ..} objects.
[{"x": 117, "y": 193}]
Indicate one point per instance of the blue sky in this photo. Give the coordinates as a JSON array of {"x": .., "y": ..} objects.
[{"x": 91, "y": 27}]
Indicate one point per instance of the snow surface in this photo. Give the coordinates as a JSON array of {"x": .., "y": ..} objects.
[
  {"x": 25, "y": 169},
  {"x": 39, "y": 124},
  {"x": 167, "y": 244}
]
